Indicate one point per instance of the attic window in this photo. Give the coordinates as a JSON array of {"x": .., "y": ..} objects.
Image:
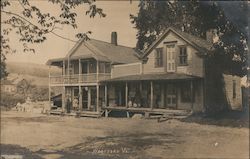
[
  {"x": 159, "y": 57},
  {"x": 183, "y": 55}
]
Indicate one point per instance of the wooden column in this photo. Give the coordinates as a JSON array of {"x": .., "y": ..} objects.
[
  {"x": 80, "y": 98},
  {"x": 151, "y": 94},
  {"x": 49, "y": 90},
  {"x": 192, "y": 92},
  {"x": 64, "y": 71},
  {"x": 63, "y": 99},
  {"x": 68, "y": 65},
  {"x": 97, "y": 98},
  {"x": 97, "y": 71},
  {"x": 89, "y": 98},
  {"x": 68, "y": 71},
  {"x": 126, "y": 94},
  {"x": 106, "y": 95},
  {"x": 80, "y": 70}
]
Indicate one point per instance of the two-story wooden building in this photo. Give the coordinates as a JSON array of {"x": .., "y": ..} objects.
[{"x": 170, "y": 75}]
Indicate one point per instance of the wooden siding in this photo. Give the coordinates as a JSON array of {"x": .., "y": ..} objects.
[
  {"x": 195, "y": 63},
  {"x": 126, "y": 69}
]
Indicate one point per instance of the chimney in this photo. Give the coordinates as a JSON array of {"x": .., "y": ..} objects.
[
  {"x": 114, "y": 38},
  {"x": 211, "y": 35}
]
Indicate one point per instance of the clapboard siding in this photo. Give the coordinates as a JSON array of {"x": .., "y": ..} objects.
[
  {"x": 126, "y": 69},
  {"x": 195, "y": 62}
]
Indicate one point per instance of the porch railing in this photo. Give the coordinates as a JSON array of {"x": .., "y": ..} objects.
[{"x": 79, "y": 78}]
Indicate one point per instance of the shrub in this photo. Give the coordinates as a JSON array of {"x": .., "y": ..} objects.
[{"x": 10, "y": 100}]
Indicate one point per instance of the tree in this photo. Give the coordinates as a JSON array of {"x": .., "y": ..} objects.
[
  {"x": 197, "y": 17},
  {"x": 32, "y": 25}
]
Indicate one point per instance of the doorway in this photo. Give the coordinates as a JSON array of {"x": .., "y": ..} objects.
[{"x": 171, "y": 96}]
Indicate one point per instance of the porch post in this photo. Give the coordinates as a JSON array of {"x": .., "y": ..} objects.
[
  {"x": 151, "y": 94},
  {"x": 126, "y": 94},
  {"x": 68, "y": 66},
  {"x": 68, "y": 70},
  {"x": 97, "y": 98},
  {"x": 106, "y": 95},
  {"x": 89, "y": 98},
  {"x": 192, "y": 92},
  {"x": 64, "y": 71},
  {"x": 63, "y": 99},
  {"x": 80, "y": 70},
  {"x": 97, "y": 71},
  {"x": 80, "y": 98},
  {"x": 49, "y": 90}
]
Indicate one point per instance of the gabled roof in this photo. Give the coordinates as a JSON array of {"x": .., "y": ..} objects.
[
  {"x": 198, "y": 43},
  {"x": 102, "y": 51}
]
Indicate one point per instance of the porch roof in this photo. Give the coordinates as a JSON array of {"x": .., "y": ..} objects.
[{"x": 153, "y": 77}]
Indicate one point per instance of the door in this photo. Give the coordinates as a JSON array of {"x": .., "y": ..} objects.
[
  {"x": 170, "y": 58},
  {"x": 171, "y": 96},
  {"x": 85, "y": 98}
]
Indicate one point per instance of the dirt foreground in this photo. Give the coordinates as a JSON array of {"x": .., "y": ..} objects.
[{"x": 40, "y": 136}]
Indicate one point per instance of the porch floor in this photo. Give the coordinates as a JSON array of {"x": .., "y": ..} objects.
[{"x": 147, "y": 111}]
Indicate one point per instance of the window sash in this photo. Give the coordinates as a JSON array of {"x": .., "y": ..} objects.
[
  {"x": 183, "y": 55},
  {"x": 159, "y": 57}
]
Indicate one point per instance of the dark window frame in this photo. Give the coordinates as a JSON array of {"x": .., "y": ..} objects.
[
  {"x": 183, "y": 56},
  {"x": 159, "y": 57}
]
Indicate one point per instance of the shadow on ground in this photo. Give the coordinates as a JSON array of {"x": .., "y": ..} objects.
[
  {"x": 123, "y": 146},
  {"x": 41, "y": 119},
  {"x": 228, "y": 119},
  {"x": 7, "y": 149},
  {"x": 110, "y": 147}
]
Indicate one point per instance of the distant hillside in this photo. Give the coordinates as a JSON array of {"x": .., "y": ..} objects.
[
  {"x": 31, "y": 69},
  {"x": 37, "y": 74}
]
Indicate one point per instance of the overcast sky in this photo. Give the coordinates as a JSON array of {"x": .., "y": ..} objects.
[{"x": 117, "y": 19}]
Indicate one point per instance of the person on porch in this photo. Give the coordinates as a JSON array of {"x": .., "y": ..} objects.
[
  {"x": 68, "y": 105},
  {"x": 75, "y": 104}
]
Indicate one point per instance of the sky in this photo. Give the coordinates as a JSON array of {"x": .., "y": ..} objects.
[{"x": 117, "y": 19}]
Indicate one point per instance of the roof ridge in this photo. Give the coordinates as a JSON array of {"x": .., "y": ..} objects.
[{"x": 113, "y": 44}]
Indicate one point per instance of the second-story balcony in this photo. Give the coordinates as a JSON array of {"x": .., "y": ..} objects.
[{"x": 79, "y": 78}]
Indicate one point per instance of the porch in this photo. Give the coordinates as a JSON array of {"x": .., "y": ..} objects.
[{"x": 164, "y": 93}]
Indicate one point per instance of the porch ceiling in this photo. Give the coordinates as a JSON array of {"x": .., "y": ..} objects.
[{"x": 153, "y": 77}]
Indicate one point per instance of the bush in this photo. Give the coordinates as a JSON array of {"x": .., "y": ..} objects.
[{"x": 10, "y": 100}]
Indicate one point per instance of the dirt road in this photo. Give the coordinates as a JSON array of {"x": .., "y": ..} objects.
[{"x": 52, "y": 137}]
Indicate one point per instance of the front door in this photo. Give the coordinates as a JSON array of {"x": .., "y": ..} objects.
[
  {"x": 85, "y": 99},
  {"x": 171, "y": 96},
  {"x": 170, "y": 58}
]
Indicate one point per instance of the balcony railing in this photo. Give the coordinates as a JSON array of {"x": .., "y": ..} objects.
[{"x": 79, "y": 78}]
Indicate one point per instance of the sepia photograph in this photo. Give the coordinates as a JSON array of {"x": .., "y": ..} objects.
[{"x": 124, "y": 79}]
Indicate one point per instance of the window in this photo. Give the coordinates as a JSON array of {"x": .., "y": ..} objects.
[
  {"x": 104, "y": 67},
  {"x": 92, "y": 66},
  {"x": 107, "y": 68},
  {"x": 183, "y": 55},
  {"x": 101, "y": 67},
  {"x": 186, "y": 93},
  {"x": 159, "y": 57},
  {"x": 234, "y": 89}
]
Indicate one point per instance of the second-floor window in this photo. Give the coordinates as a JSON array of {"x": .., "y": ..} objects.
[
  {"x": 183, "y": 55},
  {"x": 159, "y": 57},
  {"x": 104, "y": 67}
]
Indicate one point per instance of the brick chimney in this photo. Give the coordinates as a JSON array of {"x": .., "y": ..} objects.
[
  {"x": 114, "y": 38},
  {"x": 211, "y": 35}
]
